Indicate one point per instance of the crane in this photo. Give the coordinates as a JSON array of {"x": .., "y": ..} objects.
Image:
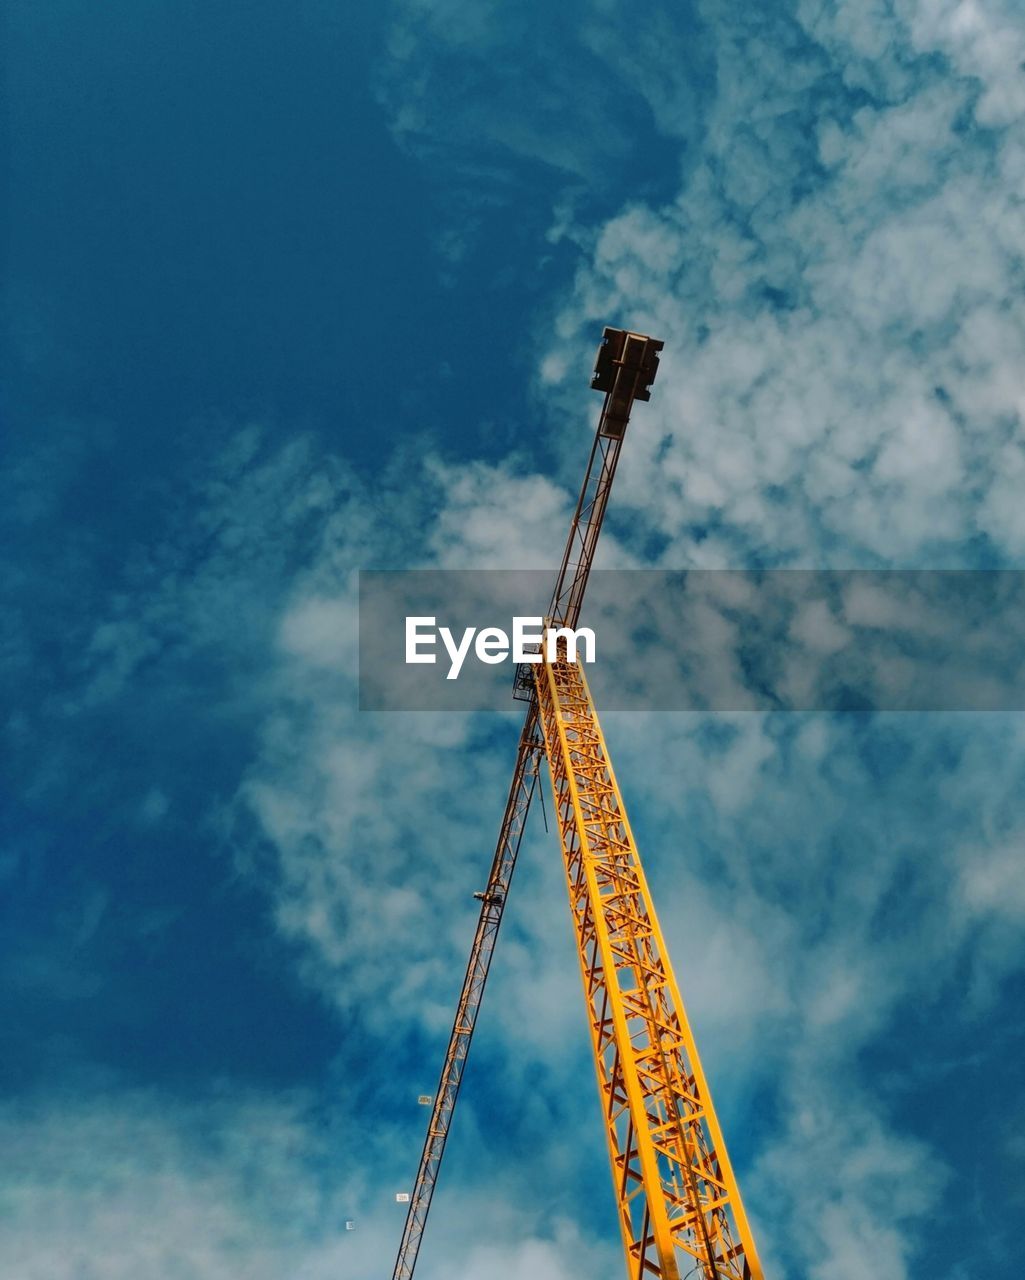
[{"x": 679, "y": 1207}]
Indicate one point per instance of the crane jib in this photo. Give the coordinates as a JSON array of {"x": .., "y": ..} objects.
[{"x": 625, "y": 368}]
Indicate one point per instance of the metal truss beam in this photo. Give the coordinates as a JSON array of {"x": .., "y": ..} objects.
[
  {"x": 680, "y": 1211},
  {"x": 626, "y": 367},
  {"x": 517, "y": 806}
]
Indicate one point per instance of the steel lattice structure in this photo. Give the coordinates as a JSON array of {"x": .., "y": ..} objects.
[{"x": 677, "y": 1197}]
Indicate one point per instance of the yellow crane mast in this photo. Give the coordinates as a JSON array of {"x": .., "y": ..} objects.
[{"x": 679, "y": 1207}]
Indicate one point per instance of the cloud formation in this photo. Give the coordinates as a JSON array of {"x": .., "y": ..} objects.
[{"x": 838, "y": 283}]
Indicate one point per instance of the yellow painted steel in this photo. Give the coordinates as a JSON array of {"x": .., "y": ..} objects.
[{"x": 680, "y": 1211}]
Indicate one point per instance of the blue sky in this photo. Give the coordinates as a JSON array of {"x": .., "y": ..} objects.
[{"x": 292, "y": 290}]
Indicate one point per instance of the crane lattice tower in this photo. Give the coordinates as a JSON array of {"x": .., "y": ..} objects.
[{"x": 679, "y": 1207}]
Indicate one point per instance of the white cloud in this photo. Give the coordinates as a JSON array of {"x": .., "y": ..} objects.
[
  {"x": 993, "y": 880},
  {"x": 860, "y": 1221},
  {"x": 983, "y": 39},
  {"x": 837, "y": 282},
  {"x": 451, "y": 85},
  {"x": 122, "y": 1184},
  {"x": 130, "y": 1184},
  {"x": 494, "y": 518},
  {"x": 840, "y": 377}
]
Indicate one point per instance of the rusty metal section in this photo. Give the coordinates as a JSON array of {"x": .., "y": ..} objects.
[{"x": 626, "y": 367}]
